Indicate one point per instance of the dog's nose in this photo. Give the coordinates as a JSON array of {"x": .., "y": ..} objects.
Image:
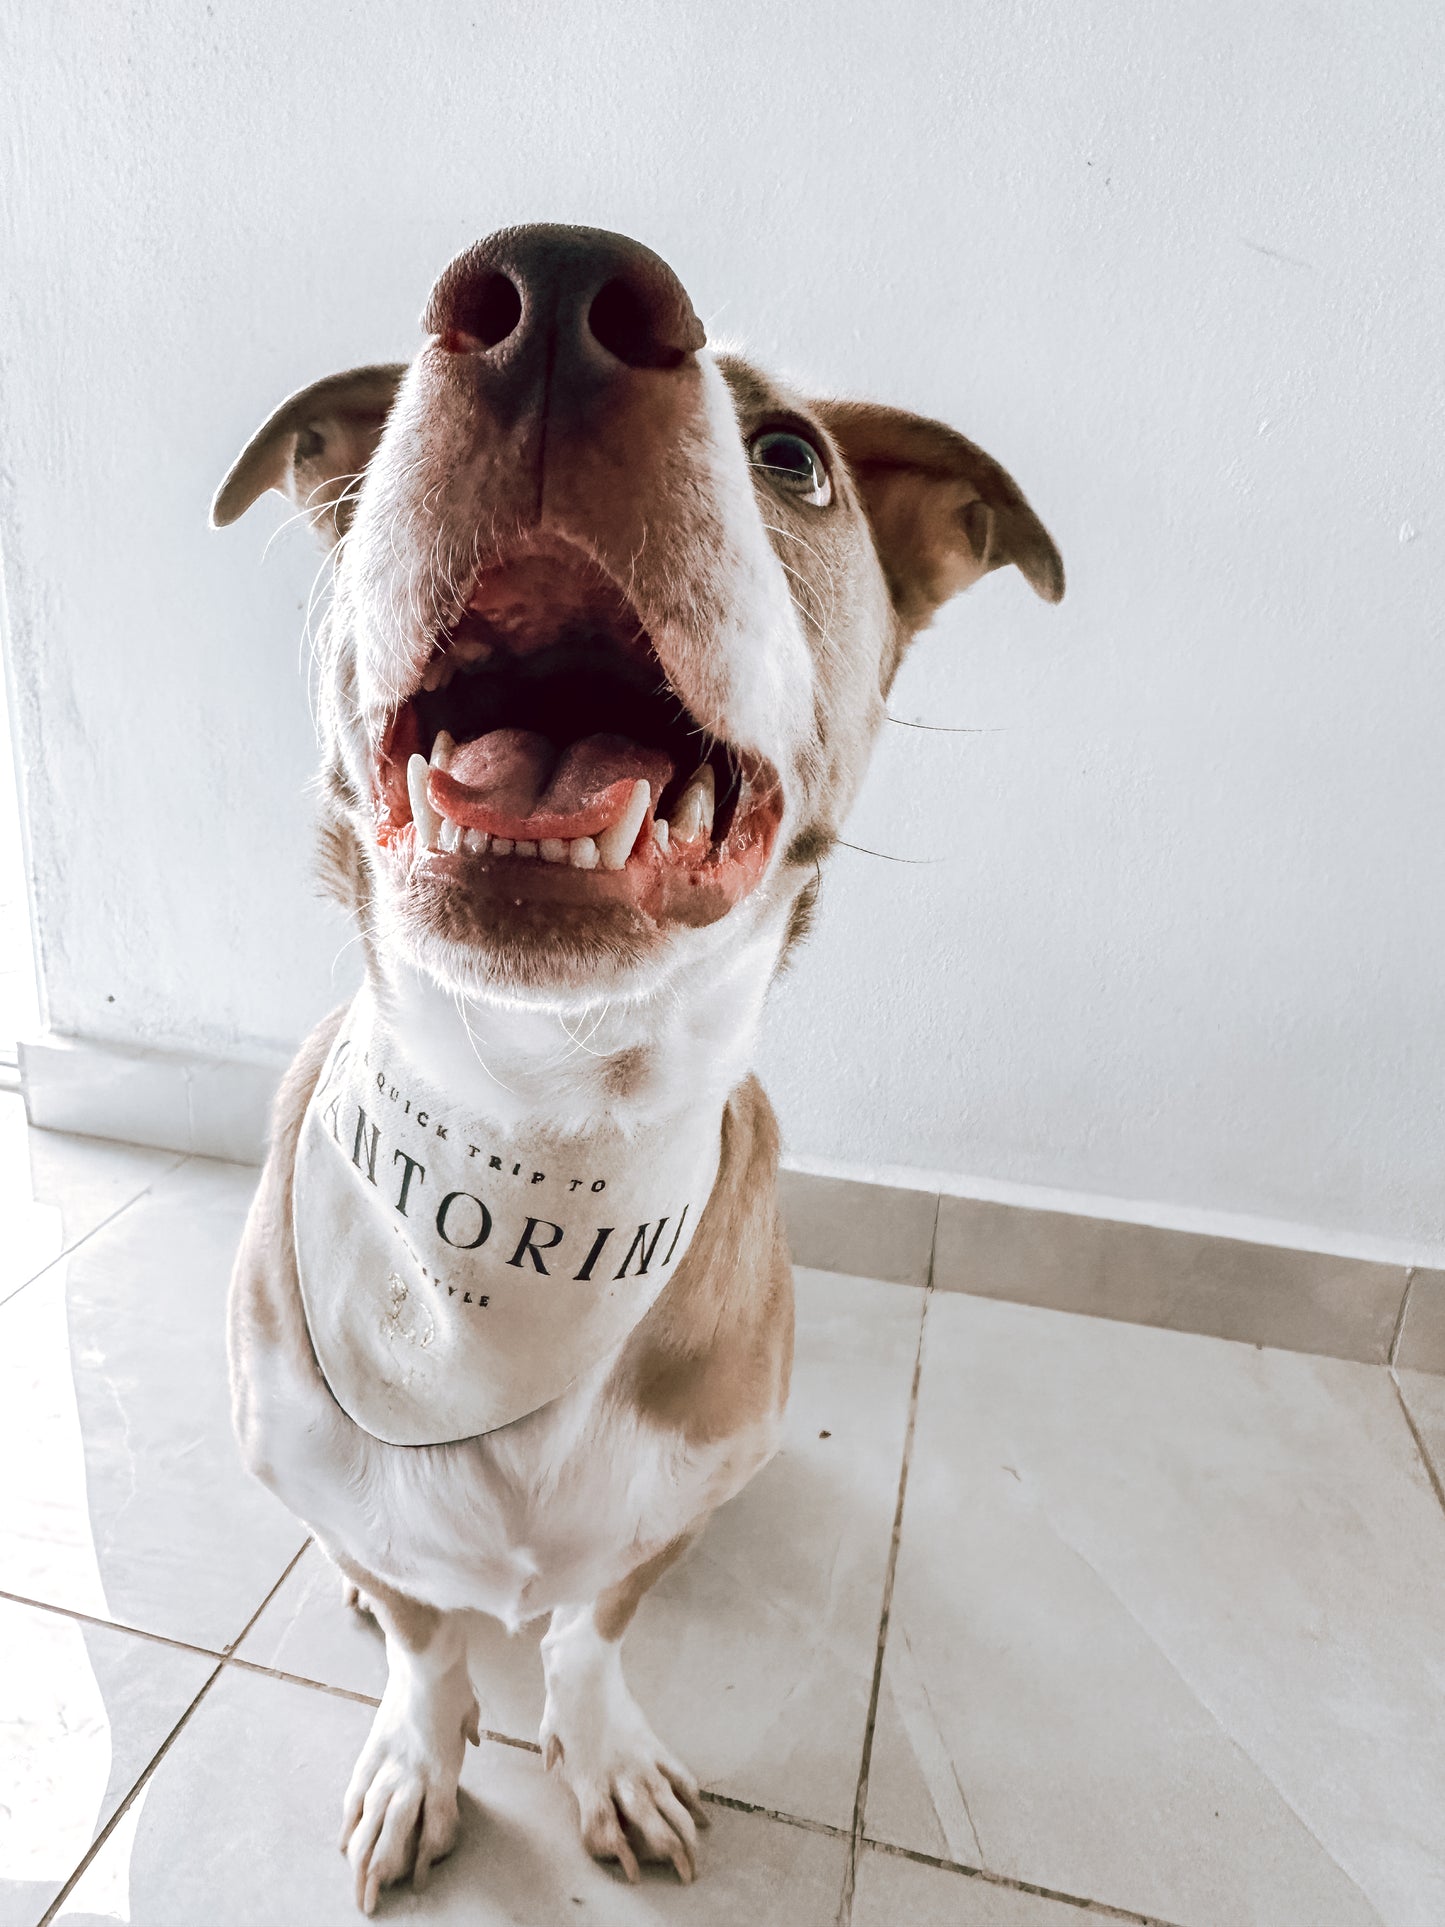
[{"x": 596, "y": 297}]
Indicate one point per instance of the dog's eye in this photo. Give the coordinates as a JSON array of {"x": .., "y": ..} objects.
[{"x": 793, "y": 463}]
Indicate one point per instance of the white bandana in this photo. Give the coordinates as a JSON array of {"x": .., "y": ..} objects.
[{"x": 455, "y": 1279}]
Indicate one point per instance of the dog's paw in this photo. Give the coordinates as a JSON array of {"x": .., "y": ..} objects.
[
  {"x": 400, "y": 1815},
  {"x": 634, "y": 1799}
]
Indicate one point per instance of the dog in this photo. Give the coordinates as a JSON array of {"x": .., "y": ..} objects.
[{"x": 613, "y": 623}]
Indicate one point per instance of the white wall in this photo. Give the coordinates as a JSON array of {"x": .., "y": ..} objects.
[{"x": 1179, "y": 267}]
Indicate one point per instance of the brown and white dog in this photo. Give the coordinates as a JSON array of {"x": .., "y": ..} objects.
[{"x": 612, "y": 629}]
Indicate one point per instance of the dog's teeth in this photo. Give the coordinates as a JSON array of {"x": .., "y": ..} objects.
[
  {"x": 443, "y": 749},
  {"x": 432, "y": 674},
  {"x": 582, "y": 853},
  {"x": 694, "y": 812},
  {"x": 450, "y": 835},
  {"x": 552, "y": 849},
  {"x": 422, "y": 814},
  {"x": 614, "y": 846},
  {"x": 476, "y": 841},
  {"x": 501, "y": 846},
  {"x": 524, "y": 846},
  {"x": 660, "y": 833},
  {"x": 471, "y": 649}
]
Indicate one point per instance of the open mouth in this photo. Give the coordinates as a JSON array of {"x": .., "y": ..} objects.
[{"x": 544, "y": 753}]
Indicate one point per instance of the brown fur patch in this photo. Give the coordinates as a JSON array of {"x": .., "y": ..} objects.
[
  {"x": 714, "y": 1354},
  {"x": 407, "y": 1620},
  {"x": 628, "y": 1070},
  {"x": 800, "y": 919},
  {"x": 612, "y": 1614},
  {"x": 812, "y": 844}
]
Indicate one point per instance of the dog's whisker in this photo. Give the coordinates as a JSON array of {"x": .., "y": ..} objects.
[
  {"x": 945, "y": 729},
  {"x": 476, "y": 1047},
  {"x": 885, "y": 856}
]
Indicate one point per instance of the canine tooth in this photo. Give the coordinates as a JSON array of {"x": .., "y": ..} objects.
[
  {"x": 660, "y": 833},
  {"x": 582, "y": 854},
  {"x": 469, "y": 649},
  {"x": 524, "y": 846},
  {"x": 422, "y": 814},
  {"x": 614, "y": 846},
  {"x": 443, "y": 749},
  {"x": 501, "y": 846},
  {"x": 552, "y": 849},
  {"x": 431, "y": 675},
  {"x": 476, "y": 841},
  {"x": 694, "y": 812}
]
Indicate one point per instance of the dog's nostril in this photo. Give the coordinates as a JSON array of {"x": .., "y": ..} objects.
[
  {"x": 482, "y": 315},
  {"x": 639, "y": 331}
]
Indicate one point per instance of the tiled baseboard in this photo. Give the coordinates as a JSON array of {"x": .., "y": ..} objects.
[
  {"x": 1303, "y": 1301},
  {"x": 1265, "y": 1294},
  {"x": 215, "y": 1107}
]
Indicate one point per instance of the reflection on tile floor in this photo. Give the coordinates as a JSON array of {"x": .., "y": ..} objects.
[
  {"x": 1166, "y": 1633},
  {"x": 83, "y": 1708},
  {"x": 55, "y": 1190}
]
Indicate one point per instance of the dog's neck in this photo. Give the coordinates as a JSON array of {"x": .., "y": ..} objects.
[{"x": 632, "y": 1062}]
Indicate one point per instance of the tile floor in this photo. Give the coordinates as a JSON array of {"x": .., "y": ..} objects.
[{"x": 1161, "y": 1637}]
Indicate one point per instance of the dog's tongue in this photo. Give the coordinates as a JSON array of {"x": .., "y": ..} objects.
[{"x": 513, "y": 783}]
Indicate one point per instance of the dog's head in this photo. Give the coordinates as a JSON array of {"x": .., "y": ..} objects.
[{"x": 614, "y": 620}]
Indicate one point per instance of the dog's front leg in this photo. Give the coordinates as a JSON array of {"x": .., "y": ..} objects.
[
  {"x": 401, "y": 1807},
  {"x": 634, "y": 1798}
]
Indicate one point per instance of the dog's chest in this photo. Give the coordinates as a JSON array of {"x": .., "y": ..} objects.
[{"x": 555, "y": 1509}]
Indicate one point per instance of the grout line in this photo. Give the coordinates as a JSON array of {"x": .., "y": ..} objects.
[
  {"x": 1102, "y": 1908},
  {"x": 775, "y": 1813},
  {"x": 290, "y": 1567},
  {"x": 219, "y": 1653},
  {"x": 933, "y": 1240},
  {"x": 865, "y": 1763},
  {"x": 1399, "y": 1331},
  {"x": 109, "y": 1219},
  {"x": 1420, "y": 1446},
  {"x": 302, "y": 1679},
  {"x": 109, "y": 1625},
  {"x": 126, "y": 1804}
]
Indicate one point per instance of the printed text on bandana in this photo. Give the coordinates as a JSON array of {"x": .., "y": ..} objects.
[
  {"x": 456, "y": 1277},
  {"x": 464, "y": 1220}
]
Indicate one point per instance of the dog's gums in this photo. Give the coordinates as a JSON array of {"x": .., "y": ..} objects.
[{"x": 544, "y": 754}]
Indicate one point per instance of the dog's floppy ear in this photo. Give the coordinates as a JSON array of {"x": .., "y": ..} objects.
[
  {"x": 313, "y": 448},
  {"x": 943, "y": 513}
]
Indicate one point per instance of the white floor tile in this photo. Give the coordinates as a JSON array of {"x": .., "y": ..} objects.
[
  {"x": 55, "y": 1189},
  {"x": 1167, "y": 1629},
  {"x": 82, "y": 1711},
  {"x": 754, "y": 1656},
  {"x": 125, "y": 1497},
  {"x": 239, "y": 1825},
  {"x": 893, "y": 1892}
]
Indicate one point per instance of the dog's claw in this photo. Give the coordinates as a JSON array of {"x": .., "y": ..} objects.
[{"x": 640, "y": 1816}]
